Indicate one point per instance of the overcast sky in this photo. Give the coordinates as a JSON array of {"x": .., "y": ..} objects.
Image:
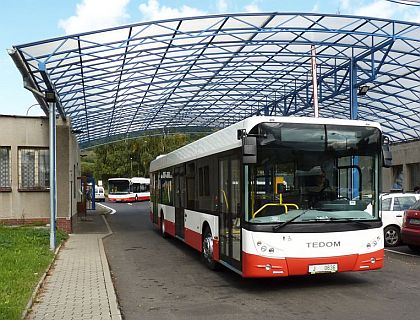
[{"x": 23, "y": 21}]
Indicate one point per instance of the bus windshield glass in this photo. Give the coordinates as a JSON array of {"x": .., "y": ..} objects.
[
  {"x": 119, "y": 186},
  {"x": 326, "y": 172}
]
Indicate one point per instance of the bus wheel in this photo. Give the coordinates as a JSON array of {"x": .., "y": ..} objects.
[
  {"x": 162, "y": 226},
  {"x": 207, "y": 252}
]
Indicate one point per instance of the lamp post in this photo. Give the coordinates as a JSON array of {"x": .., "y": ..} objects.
[
  {"x": 29, "y": 108},
  {"x": 131, "y": 167}
]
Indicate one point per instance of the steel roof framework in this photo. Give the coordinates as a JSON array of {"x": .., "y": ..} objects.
[{"x": 212, "y": 71}]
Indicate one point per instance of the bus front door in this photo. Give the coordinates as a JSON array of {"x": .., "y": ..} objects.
[
  {"x": 179, "y": 201},
  {"x": 229, "y": 210}
]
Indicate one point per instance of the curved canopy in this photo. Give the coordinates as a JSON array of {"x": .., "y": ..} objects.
[{"x": 211, "y": 71}]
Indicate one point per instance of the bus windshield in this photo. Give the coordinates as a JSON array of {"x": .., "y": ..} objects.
[
  {"x": 327, "y": 172},
  {"x": 119, "y": 186}
]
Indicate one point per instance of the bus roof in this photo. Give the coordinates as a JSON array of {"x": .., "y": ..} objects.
[
  {"x": 116, "y": 179},
  {"x": 226, "y": 139}
]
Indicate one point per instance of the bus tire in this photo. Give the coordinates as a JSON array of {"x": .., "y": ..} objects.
[
  {"x": 207, "y": 249},
  {"x": 162, "y": 226}
]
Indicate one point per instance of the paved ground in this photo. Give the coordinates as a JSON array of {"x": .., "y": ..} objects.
[
  {"x": 161, "y": 279},
  {"x": 79, "y": 285}
]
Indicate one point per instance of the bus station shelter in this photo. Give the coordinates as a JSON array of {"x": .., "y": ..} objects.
[{"x": 204, "y": 73}]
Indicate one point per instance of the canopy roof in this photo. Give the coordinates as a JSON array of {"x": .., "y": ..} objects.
[{"x": 212, "y": 71}]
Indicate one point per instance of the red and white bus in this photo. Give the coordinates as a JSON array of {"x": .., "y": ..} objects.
[
  {"x": 128, "y": 189},
  {"x": 276, "y": 196},
  {"x": 140, "y": 188}
]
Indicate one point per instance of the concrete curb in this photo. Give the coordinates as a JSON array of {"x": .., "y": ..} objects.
[
  {"x": 111, "y": 211},
  {"x": 40, "y": 284},
  {"x": 112, "y": 297}
]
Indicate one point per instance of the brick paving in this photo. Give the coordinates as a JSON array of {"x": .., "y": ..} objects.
[{"x": 79, "y": 285}]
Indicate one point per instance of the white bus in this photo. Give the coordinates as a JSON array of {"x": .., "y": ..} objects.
[
  {"x": 119, "y": 190},
  {"x": 140, "y": 188},
  {"x": 128, "y": 189},
  {"x": 276, "y": 196}
]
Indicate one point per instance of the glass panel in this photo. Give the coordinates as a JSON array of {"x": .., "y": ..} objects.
[
  {"x": 43, "y": 169},
  {"x": 386, "y": 204},
  {"x": 328, "y": 172},
  {"x": 119, "y": 186},
  {"x": 5, "y": 167},
  {"x": 166, "y": 190},
  {"x": 235, "y": 199},
  {"x": 403, "y": 203},
  {"x": 224, "y": 205},
  {"x": 27, "y": 168}
]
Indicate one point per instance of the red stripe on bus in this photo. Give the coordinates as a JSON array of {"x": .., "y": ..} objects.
[
  {"x": 193, "y": 239},
  {"x": 257, "y": 266},
  {"x": 170, "y": 227},
  {"x": 216, "y": 254}
]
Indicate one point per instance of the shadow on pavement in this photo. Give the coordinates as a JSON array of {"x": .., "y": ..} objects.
[{"x": 92, "y": 222}]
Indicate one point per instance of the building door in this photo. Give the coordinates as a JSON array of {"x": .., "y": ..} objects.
[{"x": 230, "y": 211}]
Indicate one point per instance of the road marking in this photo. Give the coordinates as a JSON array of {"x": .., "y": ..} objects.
[
  {"x": 402, "y": 253},
  {"x": 130, "y": 204},
  {"x": 109, "y": 208}
]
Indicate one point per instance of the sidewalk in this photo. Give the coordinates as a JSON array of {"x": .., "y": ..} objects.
[{"x": 79, "y": 284}]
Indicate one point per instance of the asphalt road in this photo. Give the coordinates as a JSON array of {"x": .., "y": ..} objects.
[{"x": 158, "y": 278}]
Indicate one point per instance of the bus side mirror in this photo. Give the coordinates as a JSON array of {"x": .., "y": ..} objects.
[
  {"x": 249, "y": 150},
  {"x": 386, "y": 153}
]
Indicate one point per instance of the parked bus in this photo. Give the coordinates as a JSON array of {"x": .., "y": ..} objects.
[
  {"x": 140, "y": 187},
  {"x": 128, "y": 189},
  {"x": 276, "y": 196}
]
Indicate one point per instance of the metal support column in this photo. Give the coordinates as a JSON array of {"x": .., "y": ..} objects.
[
  {"x": 354, "y": 107},
  {"x": 53, "y": 175},
  {"x": 354, "y": 110}
]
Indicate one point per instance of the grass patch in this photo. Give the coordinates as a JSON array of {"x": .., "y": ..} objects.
[{"x": 24, "y": 257}]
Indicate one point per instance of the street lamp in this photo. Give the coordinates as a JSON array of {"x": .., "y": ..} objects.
[
  {"x": 131, "y": 167},
  {"x": 363, "y": 90},
  {"x": 35, "y": 104}
]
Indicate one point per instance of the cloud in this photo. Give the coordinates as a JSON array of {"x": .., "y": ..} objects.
[
  {"x": 344, "y": 4},
  {"x": 222, "y": 6},
  {"x": 152, "y": 10},
  {"x": 315, "y": 8},
  {"x": 96, "y": 14},
  {"x": 378, "y": 8},
  {"x": 252, "y": 7}
]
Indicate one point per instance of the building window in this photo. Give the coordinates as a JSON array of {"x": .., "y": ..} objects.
[
  {"x": 34, "y": 169},
  {"x": 5, "y": 165}
]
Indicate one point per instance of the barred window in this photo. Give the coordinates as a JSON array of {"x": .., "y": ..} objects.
[
  {"x": 34, "y": 169},
  {"x": 5, "y": 165}
]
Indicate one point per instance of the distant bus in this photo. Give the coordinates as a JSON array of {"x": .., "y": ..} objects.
[
  {"x": 128, "y": 189},
  {"x": 275, "y": 197},
  {"x": 140, "y": 188},
  {"x": 119, "y": 190}
]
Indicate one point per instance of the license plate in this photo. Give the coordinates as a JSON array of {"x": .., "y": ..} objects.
[
  {"x": 414, "y": 221},
  {"x": 323, "y": 268}
]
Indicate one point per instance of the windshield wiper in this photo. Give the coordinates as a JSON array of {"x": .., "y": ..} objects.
[
  {"x": 281, "y": 225},
  {"x": 349, "y": 220}
]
